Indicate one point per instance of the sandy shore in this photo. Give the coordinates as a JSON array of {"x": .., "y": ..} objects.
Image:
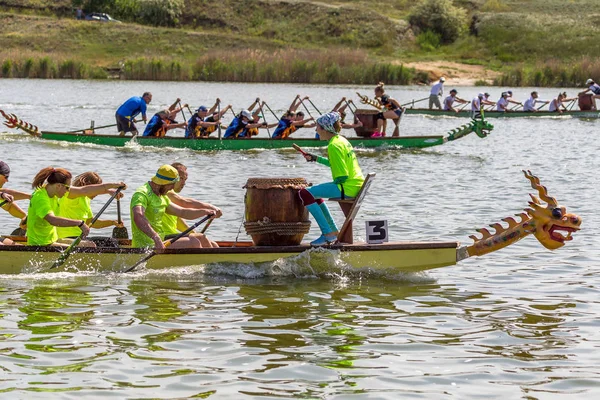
[{"x": 456, "y": 74}]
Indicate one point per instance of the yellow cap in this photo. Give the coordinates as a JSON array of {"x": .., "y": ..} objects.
[{"x": 166, "y": 175}]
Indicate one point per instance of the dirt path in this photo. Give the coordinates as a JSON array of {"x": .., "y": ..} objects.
[{"x": 456, "y": 74}]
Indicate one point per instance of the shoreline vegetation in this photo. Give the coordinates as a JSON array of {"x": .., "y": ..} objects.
[{"x": 542, "y": 43}]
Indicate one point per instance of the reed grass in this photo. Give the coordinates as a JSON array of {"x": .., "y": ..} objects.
[{"x": 552, "y": 73}]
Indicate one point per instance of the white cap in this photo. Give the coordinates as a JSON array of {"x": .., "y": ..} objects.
[
  {"x": 247, "y": 114},
  {"x": 480, "y": 95},
  {"x": 589, "y": 82},
  {"x": 442, "y": 79}
]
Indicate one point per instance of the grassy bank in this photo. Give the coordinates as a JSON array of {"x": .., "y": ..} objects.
[{"x": 532, "y": 42}]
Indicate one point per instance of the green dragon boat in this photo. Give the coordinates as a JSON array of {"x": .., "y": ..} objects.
[
  {"x": 499, "y": 114},
  {"x": 481, "y": 127}
]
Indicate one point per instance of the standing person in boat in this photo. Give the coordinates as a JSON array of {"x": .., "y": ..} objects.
[
  {"x": 11, "y": 196},
  {"x": 595, "y": 89},
  {"x": 393, "y": 111},
  {"x": 530, "y": 104},
  {"x": 556, "y": 105},
  {"x": 246, "y": 123},
  {"x": 163, "y": 121},
  {"x": 127, "y": 112},
  {"x": 449, "y": 101},
  {"x": 437, "y": 91},
  {"x": 148, "y": 205},
  {"x": 50, "y": 184},
  {"x": 173, "y": 225},
  {"x": 346, "y": 173},
  {"x": 76, "y": 204}
]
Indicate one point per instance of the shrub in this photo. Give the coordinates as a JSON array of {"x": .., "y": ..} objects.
[
  {"x": 160, "y": 12},
  {"x": 441, "y": 17},
  {"x": 7, "y": 68},
  {"x": 429, "y": 41}
]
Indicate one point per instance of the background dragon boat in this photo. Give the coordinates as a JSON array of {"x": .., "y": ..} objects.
[
  {"x": 481, "y": 127},
  {"x": 511, "y": 114},
  {"x": 545, "y": 222}
]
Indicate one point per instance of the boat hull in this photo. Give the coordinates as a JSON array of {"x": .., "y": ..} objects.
[
  {"x": 240, "y": 144},
  {"x": 395, "y": 257},
  {"x": 497, "y": 114}
]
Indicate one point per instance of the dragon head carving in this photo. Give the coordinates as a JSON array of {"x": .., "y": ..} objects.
[
  {"x": 550, "y": 224},
  {"x": 481, "y": 127},
  {"x": 553, "y": 225}
]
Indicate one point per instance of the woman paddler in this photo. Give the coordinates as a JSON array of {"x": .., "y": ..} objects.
[
  {"x": 76, "y": 204},
  {"x": 346, "y": 173},
  {"x": 393, "y": 110},
  {"x": 8, "y": 198}
]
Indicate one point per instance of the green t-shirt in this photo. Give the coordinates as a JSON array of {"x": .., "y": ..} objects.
[
  {"x": 344, "y": 165},
  {"x": 170, "y": 224},
  {"x": 39, "y": 231},
  {"x": 154, "y": 209},
  {"x": 78, "y": 208}
]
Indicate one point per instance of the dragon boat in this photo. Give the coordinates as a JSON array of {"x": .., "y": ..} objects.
[
  {"x": 549, "y": 223},
  {"x": 481, "y": 127}
]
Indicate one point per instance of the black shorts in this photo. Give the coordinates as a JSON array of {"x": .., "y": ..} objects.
[{"x": 124, "y": 124}]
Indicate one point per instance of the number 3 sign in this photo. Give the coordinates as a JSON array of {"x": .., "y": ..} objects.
[{"x": 377, "y": 232}]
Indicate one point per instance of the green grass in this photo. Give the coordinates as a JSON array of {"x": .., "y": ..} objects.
[{"x": 530, "y": 40}]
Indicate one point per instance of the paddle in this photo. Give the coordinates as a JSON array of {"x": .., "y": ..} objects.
[
  {"x": 219, "y": 118},
  {"x": 63, "y": 257},
  {"x": 262, "y": 112},
  {"x": 207, "y": 224},
  {"x": 170, "y": 242},
  {"x": 119, "y": 232},
  {"x": 300, "y": 149},
  {"x": 414, "y": 101},
  {"x": 181, "y": 109},
  {"x": 306, "y": 108},
  {"x": 313, "y": 104},
  {"x": 275, "y": 115}
]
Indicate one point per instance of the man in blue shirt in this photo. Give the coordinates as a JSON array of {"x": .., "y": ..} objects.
[{"x": 129, "y": 110}]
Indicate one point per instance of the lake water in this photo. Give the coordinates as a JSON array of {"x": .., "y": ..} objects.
[{"x": 523, "y": 322}]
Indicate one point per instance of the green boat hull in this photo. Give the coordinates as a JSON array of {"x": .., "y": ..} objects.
[
  {"x": 497, "y": 114},
  {"x": 241, "y": 144}
]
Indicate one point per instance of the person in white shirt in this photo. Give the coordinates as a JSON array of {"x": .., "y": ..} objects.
[
  {"x": 510, "y": 99},
  {"x": 476, "y": 106},
  {"x": 437, "y": 91},
  {"x": 592, "y": 87},
  {"x": 556, "y": 105},
  {"x": 486, "y": 101},
  {"x": 449, "y": 101},
  {"x": 529, "y": 105},
  {"x": 502, "y": 103}
]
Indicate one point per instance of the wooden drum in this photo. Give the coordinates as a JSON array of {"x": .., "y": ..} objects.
[
  {"x": 585, "y": 102},
  {"x": 369, "y": 121},
  {"x": 275, "y": 215}
]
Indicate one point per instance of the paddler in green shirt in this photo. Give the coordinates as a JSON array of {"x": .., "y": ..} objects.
[
  {"x": 149, "y": 204},
  {"x": 346, "y": 173},
  {"x": 173, "y": 225},
  {"x": 50, "y": 184}
]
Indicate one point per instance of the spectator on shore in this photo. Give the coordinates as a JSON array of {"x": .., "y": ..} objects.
[{"x": 79, "y": 13}]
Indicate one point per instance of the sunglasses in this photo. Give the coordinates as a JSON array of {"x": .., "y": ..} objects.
[
  {"x": 6, "y": 176},
  {"x": 67, "y": 187}
]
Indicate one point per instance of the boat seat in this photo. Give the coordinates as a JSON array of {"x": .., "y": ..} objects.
[{"x": 350, "y": 207}]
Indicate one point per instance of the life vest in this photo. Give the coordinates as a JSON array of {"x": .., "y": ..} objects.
[
  {"x": 288, "y": 131},
  {"x": 387, "y": 103}
]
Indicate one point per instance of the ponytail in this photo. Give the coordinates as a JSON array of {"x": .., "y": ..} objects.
[
  {"x": 50, "y": 175},
  {"x": 380, "y": 86}
]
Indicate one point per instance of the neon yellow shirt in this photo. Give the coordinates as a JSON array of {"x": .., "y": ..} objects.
[
  {"x": 344, "y": 165},
  {"x": 154, "y": 209},
  {"x": 170, "y": 224},
  {"x": 78, "y": 208},
  {"x": 39, "y": 231}
]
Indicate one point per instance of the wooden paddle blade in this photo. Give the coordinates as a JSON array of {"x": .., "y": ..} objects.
[{"x": 120, "y": 233}]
